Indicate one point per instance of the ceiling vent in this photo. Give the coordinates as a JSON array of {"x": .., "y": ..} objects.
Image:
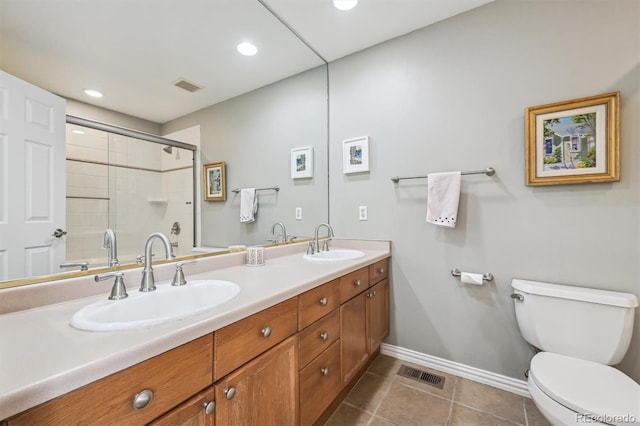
[{"x": 187, "y": 85}]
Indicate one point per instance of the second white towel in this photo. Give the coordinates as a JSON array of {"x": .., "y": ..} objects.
[
  {"x": 248, "y": 205},
  {"x": 443, "y": 195}
]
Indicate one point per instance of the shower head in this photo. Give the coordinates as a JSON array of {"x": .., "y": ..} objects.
[{"x": 168, "y": 149}]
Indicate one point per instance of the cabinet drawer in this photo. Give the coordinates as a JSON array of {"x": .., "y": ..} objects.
[
  {"x": 354, "y": 283},
  {"x": 172, "y": 377},
  {"x": 316, "y": 303},
  {"x": 378, "y": 271},
  {"x": 241, "y": 341},
  {"x": 318, "y": 337},
  {"x": 319, "y": 384}
]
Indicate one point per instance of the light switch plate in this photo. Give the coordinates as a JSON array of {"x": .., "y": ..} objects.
[{"x": 298, "y": 213}]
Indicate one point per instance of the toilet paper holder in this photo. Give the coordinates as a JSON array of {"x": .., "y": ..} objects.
[{"x": 486, "y": 277}]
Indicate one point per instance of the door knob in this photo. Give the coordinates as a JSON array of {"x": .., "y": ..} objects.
[{"x": 58, "y": 233}]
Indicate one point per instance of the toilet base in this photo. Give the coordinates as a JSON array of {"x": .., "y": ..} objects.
[{"x": 556, "y": 413}]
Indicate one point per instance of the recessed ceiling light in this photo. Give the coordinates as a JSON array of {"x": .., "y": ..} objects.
[
  {"x": 93, "y": 93},
  {"x": 78, "y": 132},
  {"x": 247, "y": 49},
  {"x": 345, "y": 4}
]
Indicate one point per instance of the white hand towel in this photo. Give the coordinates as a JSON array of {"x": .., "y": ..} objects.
[
  {"x": 248, "y": 205},
  {"x": 443, "y": 194}
]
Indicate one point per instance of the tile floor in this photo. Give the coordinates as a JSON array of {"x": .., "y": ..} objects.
[{"x": 382, "y": 398}]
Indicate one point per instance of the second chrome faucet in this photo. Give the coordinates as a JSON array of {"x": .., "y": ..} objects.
[{"x": 148, "y": 282}]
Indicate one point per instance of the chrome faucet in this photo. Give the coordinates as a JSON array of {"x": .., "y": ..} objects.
[
  {"x": 84, "y": 266},
  {"x": 284, "y": 231},
  {"x": 109, "y": 243},
  {"x": 148, "y": 282},
  {"x": 315, "y": 248}
]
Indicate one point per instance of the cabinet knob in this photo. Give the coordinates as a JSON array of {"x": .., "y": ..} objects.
[
  {"x": 230, "y": 393},
  {"x": 142, "y": 400},
  {"x": 357, "y": 283},
  {"x": 209, "y": 407},
  {"x": 325, "y": 371},
  {"x": 324, "y": 336},
  {"x": 266, "y": 332},
  {"x": 371, "y": 295},
  {"x": 381, "y": 270},
  {"x": 324, "y": 301}
]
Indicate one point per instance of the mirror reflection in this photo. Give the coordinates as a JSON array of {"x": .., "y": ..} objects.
[
  {"x": 130, "y": 186},
  {"x": 136, "y": 187}
]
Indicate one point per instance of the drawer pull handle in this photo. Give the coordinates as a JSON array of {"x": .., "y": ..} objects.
[
  {"x": 209, "y": 407},
  {"x": 381, "y": 270},
  {"x": 324, "y": 336},
  {"x": 325, "y": 371},
  {"x": 230, "y": 393},
  {"x": 324, "y": 301},
  {"x": 266, "y": 332},
  {"x": 357, "y": 283},
  {"x": 142, "y": 400}
]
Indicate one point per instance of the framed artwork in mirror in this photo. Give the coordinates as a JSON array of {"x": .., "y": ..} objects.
[
  {"x": 214, "y": 182},
  {"x": 355, "y": 155},
  {"x": 302, "y": 162},
  {"x": 576, "y": 141}
]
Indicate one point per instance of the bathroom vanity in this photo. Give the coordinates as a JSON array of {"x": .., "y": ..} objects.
[{"x": 293, "y": 342}]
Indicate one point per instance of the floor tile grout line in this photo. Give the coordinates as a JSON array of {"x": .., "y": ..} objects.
[
  {"x": 453, "y": 397},
  {"x": 375, "y": 411},
  {"x": 489, "y": 413}
]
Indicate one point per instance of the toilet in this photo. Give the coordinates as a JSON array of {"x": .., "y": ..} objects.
[{"x": 581, "y": 333}]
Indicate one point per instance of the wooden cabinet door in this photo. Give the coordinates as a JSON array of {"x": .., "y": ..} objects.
[
  {"x": 198, "y": 411},
  {"x": 263, "y": 391},
  {"x": 353, "y": 336},
  {"x": 378, "y": 314}
]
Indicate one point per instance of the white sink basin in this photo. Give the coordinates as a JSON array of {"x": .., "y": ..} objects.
[
  {"x": 166, "y": 303},
  {"x": 334, "y": 255}
]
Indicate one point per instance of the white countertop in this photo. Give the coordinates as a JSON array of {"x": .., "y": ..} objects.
[{"x": 42, "y": 357}]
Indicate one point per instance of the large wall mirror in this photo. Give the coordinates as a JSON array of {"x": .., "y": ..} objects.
[{"x": 120, "y": 181}]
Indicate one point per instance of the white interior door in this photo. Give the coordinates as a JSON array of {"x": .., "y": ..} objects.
[{"x": 32, "y": 179}]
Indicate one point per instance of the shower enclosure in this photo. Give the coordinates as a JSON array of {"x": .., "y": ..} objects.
[{"x": 135, "y": 184}]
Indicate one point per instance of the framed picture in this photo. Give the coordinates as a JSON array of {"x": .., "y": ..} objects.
[
  {"x": 575, "y": 141},
  {"x": 302, "y": 162},
  {"x": 355, "y": 155},
  {"x": 214, "y": 182}
]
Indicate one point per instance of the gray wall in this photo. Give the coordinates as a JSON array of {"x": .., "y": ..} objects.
[
  {"x": 452, "y": 97},
  {"x": 254, "y": 134}
]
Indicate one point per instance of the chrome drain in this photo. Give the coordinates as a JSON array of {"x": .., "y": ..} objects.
[{"x": 421, "y": 376}]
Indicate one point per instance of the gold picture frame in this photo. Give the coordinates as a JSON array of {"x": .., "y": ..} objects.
[
  {"x": 576, "y": 141},
  {"x": 214, "y": 182}
]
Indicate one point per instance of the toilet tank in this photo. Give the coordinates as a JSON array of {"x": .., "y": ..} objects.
[{"x": 585, "y": 323}]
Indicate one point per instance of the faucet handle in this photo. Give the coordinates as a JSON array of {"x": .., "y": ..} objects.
[
  {"x": 119, "y": 290},
  {"x": 310, "y": 248},
  {"x": 140, "y": 258},
  {"x": 178, "y": 277},
  {"x": 325, "y": 245}
]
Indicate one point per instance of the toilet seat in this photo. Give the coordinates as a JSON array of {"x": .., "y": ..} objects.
[{"x": 586, "y": 387}]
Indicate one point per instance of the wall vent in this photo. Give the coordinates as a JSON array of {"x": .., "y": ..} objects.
[
  {"x": 421, "y": 376},
  {"x": 187, "y": 85}
]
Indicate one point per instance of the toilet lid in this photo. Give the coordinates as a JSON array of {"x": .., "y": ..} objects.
[{"x": 587, "y": 387}]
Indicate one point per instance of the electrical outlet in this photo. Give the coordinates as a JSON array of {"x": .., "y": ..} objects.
[
  {"x": 298, "y": 213},
  {"x": 362, "y": 213}
]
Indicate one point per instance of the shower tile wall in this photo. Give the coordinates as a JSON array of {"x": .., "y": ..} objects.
[
  {"x": 87, "y": 215},
  {"x": 139, "y": 193}
]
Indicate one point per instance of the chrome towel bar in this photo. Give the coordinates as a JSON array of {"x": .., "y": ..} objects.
[{"x": 489, "y": 171}]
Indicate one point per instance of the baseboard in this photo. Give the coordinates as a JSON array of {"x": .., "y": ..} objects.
[{"x": 509, "y": 384}]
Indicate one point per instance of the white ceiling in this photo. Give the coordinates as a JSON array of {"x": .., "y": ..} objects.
[{"x": 133, "y": 50}]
